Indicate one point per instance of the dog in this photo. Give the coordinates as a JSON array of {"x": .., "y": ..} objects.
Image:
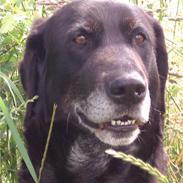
[{"x": 104, "y": 64}]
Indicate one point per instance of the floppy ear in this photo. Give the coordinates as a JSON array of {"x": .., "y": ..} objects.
[
  {"x": 31, "y": 66},
  {"x": 162, "y": 62},
  {"x": 161, "y": 59}
]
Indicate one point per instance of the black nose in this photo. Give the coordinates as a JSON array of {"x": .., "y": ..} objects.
[{"x": 127, "y": 90}]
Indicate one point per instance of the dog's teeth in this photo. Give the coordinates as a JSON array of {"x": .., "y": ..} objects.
[
  {"x": 113, "y": 122},
  {"x": 119, "y": 122},
  {"x": 133, "y": 122},
  {"x": 122, "y": 123},
  {"x": 129, "y": 122}
]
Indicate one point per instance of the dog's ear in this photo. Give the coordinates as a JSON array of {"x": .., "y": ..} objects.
[
  {"x": 162, "y": 62},
  {"x": 31, "y": 66},
  {"x": 161, "y": 57}
]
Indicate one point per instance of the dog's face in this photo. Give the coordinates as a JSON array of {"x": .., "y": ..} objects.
[{"x": 99, "y": 61}]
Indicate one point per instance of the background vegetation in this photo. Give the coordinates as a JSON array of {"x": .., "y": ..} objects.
[{"x": 16, "y": 17}]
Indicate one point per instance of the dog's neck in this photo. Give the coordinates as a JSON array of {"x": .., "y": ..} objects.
[{"x": 87, "y": 157}]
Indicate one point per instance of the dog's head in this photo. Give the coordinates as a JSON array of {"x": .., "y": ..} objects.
[{"x": 103, "y": 62}]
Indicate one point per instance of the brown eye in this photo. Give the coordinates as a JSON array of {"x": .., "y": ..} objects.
[
  {"x": 140, "y": 38},
  {"x": 81, "y": 40}
]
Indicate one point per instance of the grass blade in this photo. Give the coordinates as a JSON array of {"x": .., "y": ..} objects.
[
  {"x": 18, "y": 140},
  {"x": 138, "y": 162},
  {"x": 12, "y": 87},
  {"x": 47, "y": 143}
]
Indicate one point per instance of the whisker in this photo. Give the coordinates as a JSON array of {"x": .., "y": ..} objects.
[
  {"x": 140, "y": 139},
  {"x": 67, "y": 127},
  {"x": 157, "y": 110}
]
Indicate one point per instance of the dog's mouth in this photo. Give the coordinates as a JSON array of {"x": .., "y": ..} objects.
[{"x": 121, "y": 124}]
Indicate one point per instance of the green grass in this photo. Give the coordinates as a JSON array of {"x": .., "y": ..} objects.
[
  {"x": 138, "y": 162},
  {"x": 16, "y": 17},
  {"x": 17, "y": 138}
]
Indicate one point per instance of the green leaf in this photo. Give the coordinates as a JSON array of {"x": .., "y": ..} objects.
[
  {"x": 12, "y": 87},
  {"x": 10, "y": 21},
  {"x": 8, "y": 24},
  {"x": 18, "y": 140}
]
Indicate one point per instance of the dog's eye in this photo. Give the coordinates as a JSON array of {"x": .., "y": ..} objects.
[
  {"x": 81, "y": 40},
  {"x": 140, "y": 38}
]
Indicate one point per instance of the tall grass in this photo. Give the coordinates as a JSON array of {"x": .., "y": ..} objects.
[
  {"x": 15, "y": 20},
  {"x": 139, "y": 163}
]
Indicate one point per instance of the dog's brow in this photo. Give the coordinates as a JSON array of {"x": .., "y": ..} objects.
[
  {"x": 129, "y": 22},
  {"x": 89, "y": 26}
]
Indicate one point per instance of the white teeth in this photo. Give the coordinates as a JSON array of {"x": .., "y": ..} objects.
[
  {"x": 113, "y": 122},
  {"x": 118, "y": 122},
  {"x": 122, "y": 123},
  {"x": 133, "y": 122}
]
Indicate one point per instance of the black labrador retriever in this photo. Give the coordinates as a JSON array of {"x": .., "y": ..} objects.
[{"x": 104, "y": 64}]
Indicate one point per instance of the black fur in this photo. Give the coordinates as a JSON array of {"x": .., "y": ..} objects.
[{"x": 61, "y": 72}]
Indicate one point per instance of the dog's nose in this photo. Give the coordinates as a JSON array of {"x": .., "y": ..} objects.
[{"x": 127, "y": 90}]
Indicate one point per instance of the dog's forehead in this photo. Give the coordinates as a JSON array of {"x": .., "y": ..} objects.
[
  {"x": 98, "y": 16},
  {"x": 105, "y": 9},
  {"x": 108, "y": 12}
]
